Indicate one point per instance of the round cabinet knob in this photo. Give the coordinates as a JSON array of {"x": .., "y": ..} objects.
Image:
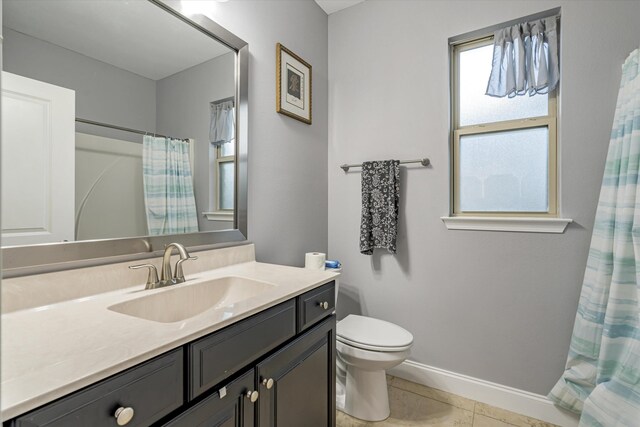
[
  {"x": 324, "y": 305},
  {"x": 124, "y": 415},
  {"x": 268, "y": 383},
  {"x": 252, "y": 395}
]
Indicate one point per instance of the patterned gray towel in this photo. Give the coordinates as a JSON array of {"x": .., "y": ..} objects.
[{"x": 380, "y": 195}]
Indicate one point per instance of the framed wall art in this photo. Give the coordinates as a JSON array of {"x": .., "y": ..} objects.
[{"x": 293, "y": 85}]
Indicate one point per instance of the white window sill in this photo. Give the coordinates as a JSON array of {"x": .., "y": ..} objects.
[
  {"x": 518, "y": 224},
  {"x": 218, "y": 216}
]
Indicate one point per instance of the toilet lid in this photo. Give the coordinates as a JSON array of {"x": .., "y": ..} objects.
[{"x": 373, "y": 334}]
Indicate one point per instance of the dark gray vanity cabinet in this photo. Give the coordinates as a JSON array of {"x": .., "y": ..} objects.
[
  {"x": 275, "y": 368},
  {"x": 297, "y": 382}
]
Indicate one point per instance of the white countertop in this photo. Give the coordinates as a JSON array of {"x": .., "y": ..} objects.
[{"x": 53, "y": 350}]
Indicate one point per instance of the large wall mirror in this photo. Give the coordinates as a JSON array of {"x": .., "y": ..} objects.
[{"x": 124, "y": 127}]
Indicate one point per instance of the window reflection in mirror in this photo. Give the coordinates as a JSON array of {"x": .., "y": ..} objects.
[
  {"x": 83, "y": 85},
  {"x": 222, "y": 172}
]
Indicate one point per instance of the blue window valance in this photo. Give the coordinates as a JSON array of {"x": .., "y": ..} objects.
[{"x": 525, "y": 59}]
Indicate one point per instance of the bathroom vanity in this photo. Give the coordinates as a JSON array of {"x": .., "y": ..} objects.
[{"x": 266, "y": 359}]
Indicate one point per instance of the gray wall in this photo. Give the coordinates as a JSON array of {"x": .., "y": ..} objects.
[
  {"x": 287, "y": 158},
  {"x": 103, "y": 92},
  {"x": 493, "y": 305},
  {"x": 183, "y": 111}
]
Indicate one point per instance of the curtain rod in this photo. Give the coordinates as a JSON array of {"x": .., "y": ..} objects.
[
  {"x": 220, "y": 101},
  {"x": 124, "y": 129},
  {"x": 423, "y": 162},
  {"x": 488, "y": 31}
]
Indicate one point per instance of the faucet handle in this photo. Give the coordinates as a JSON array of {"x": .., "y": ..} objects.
[
  {"x": 152, "y": 278},
  {"x": 179, "y": 273}
]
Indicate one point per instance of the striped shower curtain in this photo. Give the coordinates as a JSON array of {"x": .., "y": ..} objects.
[
  {"x": 602, "y": 376},
  {"x": 168, "y": 186}
]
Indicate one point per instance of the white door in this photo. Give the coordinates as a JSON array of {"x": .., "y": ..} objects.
[{"x": 38, "y": 156}]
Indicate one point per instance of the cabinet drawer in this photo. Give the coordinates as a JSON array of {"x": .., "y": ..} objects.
[
  {"x": 311, "y": 305},
  {"x": 221, "y": 354},
  {"x": 152, "y": 389}
]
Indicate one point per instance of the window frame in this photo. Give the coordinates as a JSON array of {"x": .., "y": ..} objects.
[{"x": 456, "y": 131}]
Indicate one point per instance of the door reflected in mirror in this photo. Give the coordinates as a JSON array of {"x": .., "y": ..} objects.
[{"x": 118, "y": 120}]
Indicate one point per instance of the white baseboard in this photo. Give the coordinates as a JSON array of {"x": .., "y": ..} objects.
[{"x": 519, "y": 401}]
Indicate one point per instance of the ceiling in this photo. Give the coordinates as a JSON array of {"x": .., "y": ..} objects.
[
  {"x": 135, "y": 36},
  {"x": 331, "y": 6}
]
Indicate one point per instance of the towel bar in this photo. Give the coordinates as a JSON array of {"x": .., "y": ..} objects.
[{"x": 423, "y": 162}]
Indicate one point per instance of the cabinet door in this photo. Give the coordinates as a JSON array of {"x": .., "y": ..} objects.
[
  {"x": 233, "y": 409},
  {"x": 303, "y": 382}
]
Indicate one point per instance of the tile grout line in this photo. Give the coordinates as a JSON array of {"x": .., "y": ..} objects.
[
  {"x": 497, "y": 419},
  {"x": 421, "y": 396},
  {"x": 435, "y": 399},
  {"x": 473, "y": 418}
]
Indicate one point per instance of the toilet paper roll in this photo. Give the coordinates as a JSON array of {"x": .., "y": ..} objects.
[{"x": 314, "y": 260}]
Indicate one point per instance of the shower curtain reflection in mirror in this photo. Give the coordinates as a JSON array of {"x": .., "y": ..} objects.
[{"x": 168, "y": 186}]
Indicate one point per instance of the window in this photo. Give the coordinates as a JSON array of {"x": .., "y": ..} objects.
[
  {"x": 503, "y": 149},
  {"x": 224, "y": 178}
]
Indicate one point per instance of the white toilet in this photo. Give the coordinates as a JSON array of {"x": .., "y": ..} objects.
[{"x": 366, "y": 348}]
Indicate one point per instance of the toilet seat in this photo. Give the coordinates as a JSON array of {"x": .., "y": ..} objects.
[
  {"x": 372, "y": 347},
  {"x": 373, "y": 334}
]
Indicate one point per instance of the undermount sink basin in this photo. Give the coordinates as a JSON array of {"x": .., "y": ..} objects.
[{"x": 180, "y": 303}]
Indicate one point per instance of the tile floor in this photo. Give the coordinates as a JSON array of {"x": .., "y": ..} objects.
[{"x": 416, "y": 405}]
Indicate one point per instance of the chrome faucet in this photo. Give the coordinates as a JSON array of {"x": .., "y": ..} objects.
[{"x": 166, "y": 278}]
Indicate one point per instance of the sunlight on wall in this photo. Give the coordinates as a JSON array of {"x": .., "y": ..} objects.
[{"x": 195, "y": 7}]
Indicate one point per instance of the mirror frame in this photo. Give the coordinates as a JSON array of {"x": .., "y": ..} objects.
[{"x": 33, "y": 259}]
